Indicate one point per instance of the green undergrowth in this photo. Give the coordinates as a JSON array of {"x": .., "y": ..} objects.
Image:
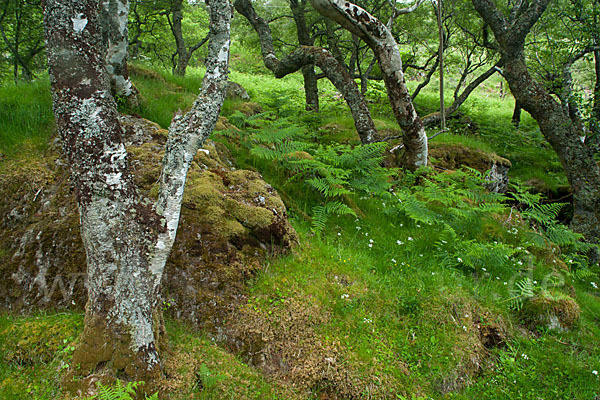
[
  {"x": 26, "y": 119},
  {"x": 36, "y": 352},
  {"x": 426, "y": 285}
]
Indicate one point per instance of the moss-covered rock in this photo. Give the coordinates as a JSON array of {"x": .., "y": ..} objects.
[
  {"x": 454, "y": 156},
  {"x": 230, "y": 219},
  {"x": 554, "y": 311}
]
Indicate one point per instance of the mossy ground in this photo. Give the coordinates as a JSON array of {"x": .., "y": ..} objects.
[{"x": 338, "y": 318}]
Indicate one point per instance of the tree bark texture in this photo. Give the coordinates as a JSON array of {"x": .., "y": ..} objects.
[
  {"x": 562, "y": 132},
  {"x": 127, "y": 238},
  {"x": 310, "y": 55},
  {"x": 115, "y": 16},
  {"x": 311, "y": 89},
  {"x": 516, "y": 117},
  {"x": 384, "y": 46},
  {"x": 183, "y": 53}
]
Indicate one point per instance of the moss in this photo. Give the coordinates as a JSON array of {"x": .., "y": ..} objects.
[
  {"x": 104, "y": 355},
  {"x": 453, "y": 156},
  {"x": 34, "y": 340},
  {"x": 249, "y": 108},
  {"x": 229, "y": 220},
  {"x": 223, "y": 124},
  {"x": 550, "y": 310}
]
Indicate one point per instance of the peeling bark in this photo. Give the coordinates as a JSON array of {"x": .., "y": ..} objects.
[
  {"x": 127, "y": 239},
  {"x": 373, "y": 32},
  {"x": 564, "y": 133},
  {"x": 308, "y": 55}
]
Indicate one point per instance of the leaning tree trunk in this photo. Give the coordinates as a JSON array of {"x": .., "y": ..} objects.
[
  {"x": 183, "y": 56},
  {"x": 384, "y": 46},
  {"x": 115, "y": 16},
  {"x": 563, "y": 133},
  {"x": 310, "y": 55},
  {"x": 311, "y": 89},
  {"x": 127, "y": 239}
]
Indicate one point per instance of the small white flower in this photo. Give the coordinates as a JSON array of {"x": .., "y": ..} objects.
[
  {"x": 339, "y": 234},
  {"x": 370, "y": 244},
  {"x": 524, "y": 356},
  {"x": 358, "y": 227},
  {"x": 535, "y": 282},
  {"x": 399, "y": 242},
  {"x": 466, "y": 315},
  {"x": 483, "y": 269},
  {"x": 505, "y": 283},
  {"x": 595, "y": 372},
  {"x": 367, "y": 320},
  {"x": 464, "y": 328},
  {"x": 418, "y": 226},
  {"x": 459, "y": 259},
  {"x": 401, "y": 225},
  {"x": 420, "y": 255},
  {"x": 370, "y": 240},
  {"x": 366, "y": 233},
  {"x": 520, "y": 262},
  {"x": 345, "y": 296},
  {"x": 409, "y": 238},
  {"x": 443, "y": 241},
  {"x": 394, "y": 260},
  {"x": 433, "y": 273},
  {"x": 594, "y": 285},
  {"x": 498, "y": 277}
]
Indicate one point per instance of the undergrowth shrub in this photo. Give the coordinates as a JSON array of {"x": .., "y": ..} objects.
[
  {"x": 473, "y": 229},
  {"x": 334, "y": 173}
]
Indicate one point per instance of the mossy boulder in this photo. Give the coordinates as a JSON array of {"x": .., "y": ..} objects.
[
  {"x": 236, "y": 91},
  {"x": 554, "y": 311},
  {"x": 454, "y": 156},
  {"x": 230, "y": 220}
]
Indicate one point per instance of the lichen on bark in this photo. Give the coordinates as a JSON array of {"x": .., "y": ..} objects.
[{"x": 127, "y": 239}]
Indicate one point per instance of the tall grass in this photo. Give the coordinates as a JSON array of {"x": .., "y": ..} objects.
[{"x": 26, "y": 117}]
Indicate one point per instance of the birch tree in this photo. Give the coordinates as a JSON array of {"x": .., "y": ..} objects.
[
  {"x": 379, "y": 38},
  {"x": 115, "y": 16},
  {"x": 127, "y": 238},
  {"x": 307, "y": 56}
]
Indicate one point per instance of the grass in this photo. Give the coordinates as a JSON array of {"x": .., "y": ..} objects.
[
  {"x": 26, "y": 119},
  {"x": 370, "y": 291}
]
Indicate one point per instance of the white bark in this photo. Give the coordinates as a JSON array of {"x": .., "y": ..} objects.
[
  {"x": 116, "y": 13},
  {"x": 381, "y": 41},
  {"x": 127, "y": 239}
]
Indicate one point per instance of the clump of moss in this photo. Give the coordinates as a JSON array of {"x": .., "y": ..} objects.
[
  {"x": 283, "y": 338},
  {"x": 230, "y": 219},
  {"x": 453, "y": 156},
  {"x": 32, "y": 340},
  {"x": 249, "y": 108},
  {"x": 546, "y": 310}
]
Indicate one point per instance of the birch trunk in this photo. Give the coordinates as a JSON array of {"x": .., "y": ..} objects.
[
  {"x": 115, "y": 16},
  {"x": 127, "y": 239},
  {"x": 373, "y": 32},
  {"x": 311, "y": 89},
  {"x": 307, "y": 55}
]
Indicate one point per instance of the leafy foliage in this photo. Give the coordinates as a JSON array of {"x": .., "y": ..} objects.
[{"x": 333, "y": 172}]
